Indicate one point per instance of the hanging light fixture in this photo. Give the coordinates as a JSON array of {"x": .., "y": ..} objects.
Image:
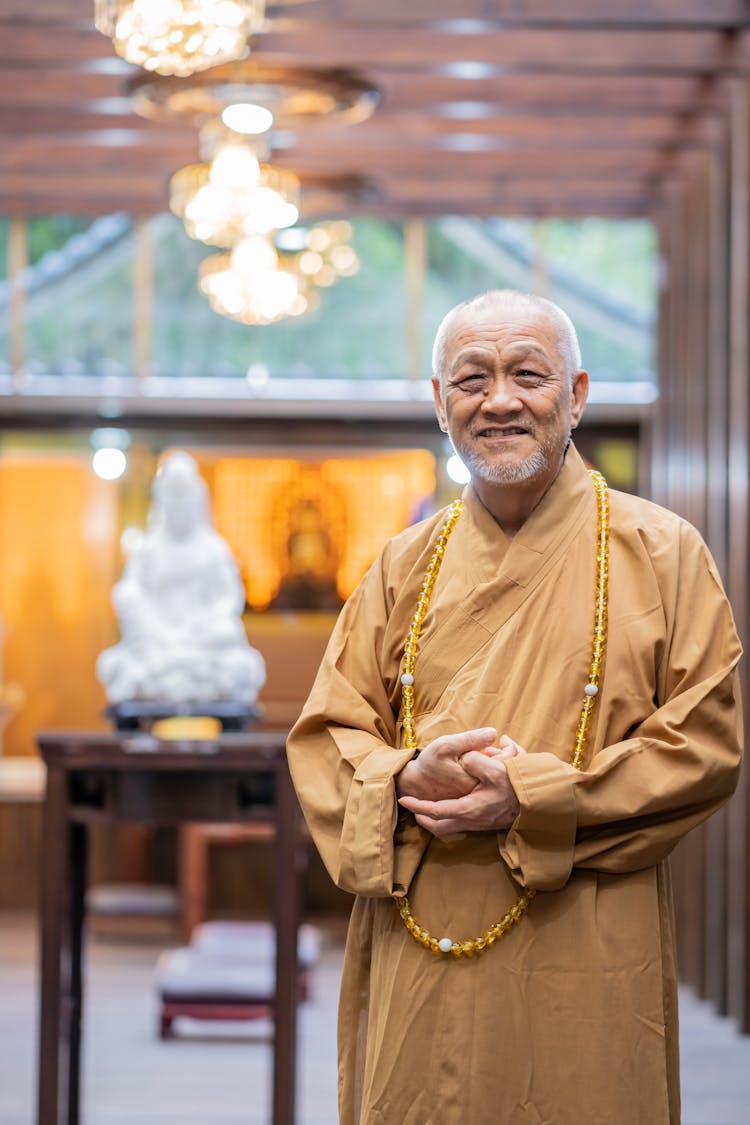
[
  {"x": 249, "y": 285},
  {"x": 235, "y": 193},
  {"x": 293, "y": 95},
  {"x": 179, "y": 37},
  {"x": 262, "y": 281}
]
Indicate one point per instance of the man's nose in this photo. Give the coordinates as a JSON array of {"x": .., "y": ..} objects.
[{"x": 502, "y": 396}]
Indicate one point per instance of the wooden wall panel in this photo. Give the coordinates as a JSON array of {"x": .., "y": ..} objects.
[
  {"x": 700, "y": 470},
  {"x": 738, "y": 842}
]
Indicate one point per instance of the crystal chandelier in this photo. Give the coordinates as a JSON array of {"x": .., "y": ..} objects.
[
  {"x": 259, "y": 283},
  {"x": 234, "y": 194},
  {"x": 179, "y": 37},
  {"x": 250, "y": 285}
]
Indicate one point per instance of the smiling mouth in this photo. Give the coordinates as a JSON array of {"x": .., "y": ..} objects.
[{"x": 504, "y": 432}]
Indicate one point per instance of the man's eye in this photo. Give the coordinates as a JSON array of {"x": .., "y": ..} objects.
[
  {"x": 529, "y": 376},
  {"x": 472, "y": 379}
]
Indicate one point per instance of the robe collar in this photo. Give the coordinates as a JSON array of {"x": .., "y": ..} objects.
[{"x": 568, "y": 498}]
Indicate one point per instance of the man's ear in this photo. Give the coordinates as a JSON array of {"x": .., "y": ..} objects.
[
  {"x": 439, "y": 408},
  {"x": 579, "y": 395}
]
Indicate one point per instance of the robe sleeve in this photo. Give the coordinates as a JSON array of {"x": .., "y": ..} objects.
[
  {"x": 638, "y": 797},
  {"x": 343, "y": 758}
]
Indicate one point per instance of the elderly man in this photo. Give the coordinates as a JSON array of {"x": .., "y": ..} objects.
[{"x": 530, "y": 698}]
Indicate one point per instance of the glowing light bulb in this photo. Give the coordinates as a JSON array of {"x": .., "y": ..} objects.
[
  {"x": 234, "y": 166},
  {"x": 247, "y": 118},
  {"x": 456, "y": 470},
  {"x": 109, "y": 464}
]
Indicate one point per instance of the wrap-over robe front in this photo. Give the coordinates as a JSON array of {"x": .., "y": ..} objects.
[{"x": 571, "y": 1016}]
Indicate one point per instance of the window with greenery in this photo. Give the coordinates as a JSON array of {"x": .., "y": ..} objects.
[
  {"x": 602, "y": 272},
  {"x": 79, "y": 295},
  {"x": 79, "y": 305}
]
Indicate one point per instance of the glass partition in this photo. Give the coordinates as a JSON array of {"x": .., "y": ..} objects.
[
  {"x": 79, "y": 296},
  {"x": 79, "y": 302}
]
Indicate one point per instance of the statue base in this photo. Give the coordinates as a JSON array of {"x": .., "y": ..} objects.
[{"x": 139, "y": 714}]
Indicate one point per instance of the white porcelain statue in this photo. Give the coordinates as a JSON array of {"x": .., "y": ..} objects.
[{"x": 179, "y": 605}]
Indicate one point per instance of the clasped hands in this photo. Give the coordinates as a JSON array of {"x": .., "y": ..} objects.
[{"x": 459, "y": 783}]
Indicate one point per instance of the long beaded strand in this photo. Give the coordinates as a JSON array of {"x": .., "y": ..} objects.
[{"x": 590, "y": 692}]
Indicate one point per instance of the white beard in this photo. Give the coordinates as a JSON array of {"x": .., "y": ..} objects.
[{"x": 532, "y": 466}]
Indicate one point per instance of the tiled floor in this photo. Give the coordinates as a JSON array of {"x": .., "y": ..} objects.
[{"x": 132, "y": 1078}]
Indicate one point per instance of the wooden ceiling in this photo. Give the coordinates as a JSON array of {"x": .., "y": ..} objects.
[{"x": 564, "y": 107}]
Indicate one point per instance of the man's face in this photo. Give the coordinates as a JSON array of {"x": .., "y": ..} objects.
[{"x": 505, "y": 396}]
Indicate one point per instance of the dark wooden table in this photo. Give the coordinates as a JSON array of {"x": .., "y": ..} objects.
[{"x": 138, "y": 779}]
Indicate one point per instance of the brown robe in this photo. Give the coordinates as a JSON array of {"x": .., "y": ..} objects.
[{"x": 571, "y": 1017}]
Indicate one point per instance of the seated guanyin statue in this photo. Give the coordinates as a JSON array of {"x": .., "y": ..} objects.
[{"x": 179, "y": 604}]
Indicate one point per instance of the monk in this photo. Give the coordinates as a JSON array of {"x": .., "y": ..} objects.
[{"x": 527, "y": 702}]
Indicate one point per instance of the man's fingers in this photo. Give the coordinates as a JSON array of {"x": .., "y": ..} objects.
[
  {"x": 484, "y": 767},
  {"x": 454, "y": 745},
  {"x": 507, "y": 743},
  {"x": 439, "y": 828},
  {"x": 506, "y": 748},
  {"x": 436, "y": 810}
]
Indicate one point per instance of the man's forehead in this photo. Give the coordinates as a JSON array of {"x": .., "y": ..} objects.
[
  {"x": 505, "y": 320},
  {"x": 490, "y": 330}
]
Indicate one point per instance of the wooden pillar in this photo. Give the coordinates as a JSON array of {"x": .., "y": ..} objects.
[
  {"x": 17, "y": 261},
  {"x": 716, "y": 383},
  {"x": 143, "y": 285},
  {"x": 685, "y": 377},
  {"x": 701, "y": 449},
  {"x": 415, "y": 253}
]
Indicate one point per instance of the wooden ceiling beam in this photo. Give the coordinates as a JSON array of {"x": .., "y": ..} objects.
[
  {"x": 390, "y": 161},
  {"x": 506, "y": 206},
  {"x": 504, "y": 134},
  {"x": 611, "y": 168},
  {"x": 573, "y": 51},
  {"x": 614, "y": 205},
  {"x": 68, "y": 181},
  {"x": 648, "y": 13},
  {"x": 29, "y": 86},
  {"x": 24, "y": 43},
  {"x": 82, "y": 118},
  {"x": 556, "y": 93},
  {"x": 530, "y": 13},
  {"x": 92, "y": 150},
  {"x": 60, "y": 127},
  {"x": 376, "y": 45}
]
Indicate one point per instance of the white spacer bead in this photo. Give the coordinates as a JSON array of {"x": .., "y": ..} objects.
[
  {"x": 591, "y": 689},
  {"x": 407, "y": 679},
  {"x": 445, "y": 945}
]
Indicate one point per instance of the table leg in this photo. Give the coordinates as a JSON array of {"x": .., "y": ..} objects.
[
  {"x": 192, "y": 875},
  {"x": 78, "y": 841},
  {"x": 55, "y": 953},
  {"x": 286, "y": 918}
]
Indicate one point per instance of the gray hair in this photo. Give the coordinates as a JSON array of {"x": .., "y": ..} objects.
[{"x": 510, "y": 301}]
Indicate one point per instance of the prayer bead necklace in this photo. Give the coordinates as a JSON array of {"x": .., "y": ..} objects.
[{"x": 590, "y": 692}]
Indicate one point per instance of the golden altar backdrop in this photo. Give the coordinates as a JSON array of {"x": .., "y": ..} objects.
[{"x": 303, "y": 532}]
